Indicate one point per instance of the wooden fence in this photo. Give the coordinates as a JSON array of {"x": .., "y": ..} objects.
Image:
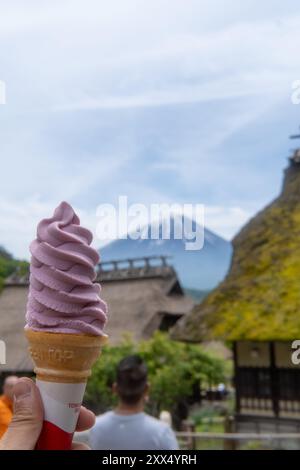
[{"x": 234, "y": 441}]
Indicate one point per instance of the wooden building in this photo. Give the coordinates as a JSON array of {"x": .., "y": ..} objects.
[
  {"x": 13, "y": 301},
  {"x": 256, "y": 308},
  {"x": 267, "y": 385},
  {"x": 143, "y": 294}
]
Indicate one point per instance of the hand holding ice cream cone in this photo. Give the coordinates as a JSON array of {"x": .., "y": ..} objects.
[{"x": 65, "y": 320}]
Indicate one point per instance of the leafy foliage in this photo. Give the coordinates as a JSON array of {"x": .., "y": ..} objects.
[
  {"x": 8, "y": 265},
  {"x": 174, "y": 369}
]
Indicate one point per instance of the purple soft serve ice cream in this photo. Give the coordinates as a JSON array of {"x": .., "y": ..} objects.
[{"x": 63, "y": 297}]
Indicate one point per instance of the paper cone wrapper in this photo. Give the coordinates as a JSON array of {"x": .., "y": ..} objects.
[{"x": 63, "y": 364}]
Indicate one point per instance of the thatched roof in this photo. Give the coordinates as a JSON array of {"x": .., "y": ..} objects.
[
  {"x": 139, "y": 299},
  {"x": 141, "y": 292},
  {"x": 260, "y": 297}
]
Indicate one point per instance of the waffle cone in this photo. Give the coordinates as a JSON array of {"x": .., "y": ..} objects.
[{"x": 63, "y": 358}]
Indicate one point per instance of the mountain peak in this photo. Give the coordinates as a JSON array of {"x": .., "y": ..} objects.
[{"x": 199, "y": 269}]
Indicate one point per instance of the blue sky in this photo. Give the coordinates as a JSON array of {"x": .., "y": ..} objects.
[{"x": 163, "y": 101}]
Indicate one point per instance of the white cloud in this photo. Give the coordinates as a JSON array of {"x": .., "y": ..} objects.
[
  {"x": 121, "y": 55},
  {"x": 226, "y": 221},
  {"x": 186, "y": 68},
  {"x": 19, "y": 222},
  {"x": 88, "y": 85}
]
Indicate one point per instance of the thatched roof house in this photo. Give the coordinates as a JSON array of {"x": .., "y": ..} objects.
[
  {"x": 257, "y": 308},
  {"x": 143, "y": 295}
]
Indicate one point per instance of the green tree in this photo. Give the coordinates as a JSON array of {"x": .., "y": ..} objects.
[
  {"x": 174, "y": 368},
  {"x": 8, "y": 265}
]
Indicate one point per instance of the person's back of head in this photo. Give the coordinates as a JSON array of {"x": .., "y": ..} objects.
[
  {"x": 127, "y": 427},
  {"x": 131, "y": 382}
]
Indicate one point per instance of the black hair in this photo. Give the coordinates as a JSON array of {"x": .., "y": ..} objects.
[{"x": 131, "y": 379}]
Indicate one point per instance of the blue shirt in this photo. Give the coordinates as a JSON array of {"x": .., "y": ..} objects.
[{"x": 138, "y": 431}]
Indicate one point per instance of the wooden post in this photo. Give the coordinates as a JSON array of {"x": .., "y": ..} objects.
[
  {"x": 229, "y": 444},
  {"x": 130, "y": 262},
  {"x": 163, "y": 260},
  {"x": 189, "y": 427},
  {"x": 274, "y": 379},
  {"x": 115, "y": 265},
  {"x": 236, "y": 379}
]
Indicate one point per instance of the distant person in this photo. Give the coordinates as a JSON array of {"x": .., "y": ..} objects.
[
  {"x": 128, "y": 427},
  {"x": 6, "y": 403},
  {"x": 222, "y": 390},
  {"x": 166, "y": 417}
]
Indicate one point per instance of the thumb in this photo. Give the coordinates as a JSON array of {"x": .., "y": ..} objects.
[{"x": 27, "y": 421}]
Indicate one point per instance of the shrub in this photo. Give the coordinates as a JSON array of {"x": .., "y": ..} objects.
[{"x": 174, "y": 368}]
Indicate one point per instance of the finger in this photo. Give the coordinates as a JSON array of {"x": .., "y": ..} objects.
[
  {"x": 80, "y": 446},
  {"x": 86, "y": 420},
  {"x": 27, "y": 421}
]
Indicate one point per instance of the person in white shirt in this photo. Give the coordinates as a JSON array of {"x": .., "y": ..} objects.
[{"x": 128, "y": 427}]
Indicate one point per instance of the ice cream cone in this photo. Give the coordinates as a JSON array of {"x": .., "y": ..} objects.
[
  {"x": 62, "y": 357},
  {"x": 65, "y": 319},
  {"x": 63, "y": 364}
]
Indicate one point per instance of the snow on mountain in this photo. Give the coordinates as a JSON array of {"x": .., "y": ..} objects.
[{"x": 197, "y": 269}]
